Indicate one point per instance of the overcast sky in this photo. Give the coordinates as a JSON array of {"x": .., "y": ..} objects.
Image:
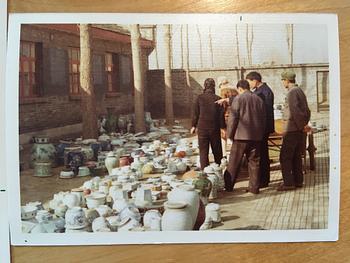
[{"x": 269, "y": 45}]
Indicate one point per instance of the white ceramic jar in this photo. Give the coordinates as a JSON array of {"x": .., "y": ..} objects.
[
  {"x": 100, "y": 224},
  {"x": 176, "y": 217},
  {"x": 75, "y": 218},
  {"x": 71, "y": 200},
  {"x": 186, "y": 194},
  {"x": 95, "y": 199},
  {"x": 212, "y": 212},
  {"x": 152, "y": 220},
  {"x": 111, "y": 162},
  {"x": 104, "y": 210}
]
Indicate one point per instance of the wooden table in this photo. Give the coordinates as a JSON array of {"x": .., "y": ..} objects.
[{"x": 275, "y": 144}]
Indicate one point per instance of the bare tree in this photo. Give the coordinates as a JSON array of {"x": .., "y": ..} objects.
[
  {"x": 169, "y": 112},
  {"x": 200, "y": 46},
  {"x": 237, "y": 52},
  {"x": 211, "y": 48},
  {"x": 249, "y": 42},
  {"x": 187, "y": 69},
  {"x": 290, "y": 41},
  {"x": 154, "y": 32},
  {"x": 138, "y": 79},
  {"x": 182, "y": 46},
  {"x": 88, "y": 102}
]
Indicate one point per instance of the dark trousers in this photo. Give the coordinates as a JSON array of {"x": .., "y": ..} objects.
[
  {"x": 252, "y": 151},
  {"x": 264, "y": 162},
  {"x": 206, "y": 137},
  {"x": 291, "y": 158}
]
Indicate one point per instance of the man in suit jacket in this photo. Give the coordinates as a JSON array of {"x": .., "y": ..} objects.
[
  {"x": 246, "y": 127},
  {"x": 296, "y": 116},
  {"x": 208, "y": 119},
  {"x": 263, "y": 91}
]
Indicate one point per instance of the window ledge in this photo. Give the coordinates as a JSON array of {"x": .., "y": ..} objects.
[
  {"x": 112, "y": 94},
  {"x": 33, "y": 100}
]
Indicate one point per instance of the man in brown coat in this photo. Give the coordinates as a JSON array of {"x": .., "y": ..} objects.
[
  {"x": 296, "y": 115},
  {"x": 246, "y": 127},
  {"x": 208, "y": 119}
]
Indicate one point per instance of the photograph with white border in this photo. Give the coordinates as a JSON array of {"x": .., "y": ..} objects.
[{"x": 172, "y": 128}]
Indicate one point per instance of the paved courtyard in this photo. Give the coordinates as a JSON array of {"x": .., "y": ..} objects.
[{"x": 304, "y": 208}]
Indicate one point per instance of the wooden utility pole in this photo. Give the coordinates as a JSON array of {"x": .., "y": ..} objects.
[
  {"x": 88, "y": 102},
  {"x": 138, "y": 79},
  {"x": 169, "y": 111}
]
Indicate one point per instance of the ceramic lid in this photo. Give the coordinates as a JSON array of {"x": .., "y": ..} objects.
[{"x": 175, "y": 205}]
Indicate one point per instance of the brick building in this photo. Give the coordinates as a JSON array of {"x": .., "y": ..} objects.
[{"x": 49, "y": 99}]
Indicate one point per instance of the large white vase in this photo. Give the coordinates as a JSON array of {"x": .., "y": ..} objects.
[
  {"x": 188, "y": 195},
  {"x": 111, "y": 162}
]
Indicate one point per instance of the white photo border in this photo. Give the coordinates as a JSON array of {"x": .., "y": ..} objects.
[{"x": 225, "y": 236}]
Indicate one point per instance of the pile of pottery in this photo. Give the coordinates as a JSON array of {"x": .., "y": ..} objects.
[
  {"x": 121, "y": 203},
  {"x": 119, "y": 197}
]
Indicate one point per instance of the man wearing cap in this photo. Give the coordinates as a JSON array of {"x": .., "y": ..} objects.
[
  {"x": 265, "y": 93},
  {"x": 296, "y": 115}
]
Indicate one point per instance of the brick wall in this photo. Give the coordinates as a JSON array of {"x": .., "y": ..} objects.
[
  {"x": 305, "y": 77},
  {"x": 56, "y": 108}
]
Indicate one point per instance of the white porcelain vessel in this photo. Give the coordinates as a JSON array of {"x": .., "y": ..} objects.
[
  {"x": 212, "y": 212},
  {"x": 186, "y": 194},
  {"x": 43, "y": 216},
  {"x": 100, "y": 224},
  {"x": 143, "y": 197},
  {"x": 28, "y": 212},
  {"x": 75, "y": 218},
  {"x": 61, "y": 210},
  {"x": 111, "y": 162},
  {"x": 79, "y": 192},
  {"x": 95, "y": 199},
  {"x": 152, "y": 219},
  {"x": 71, "y": 200},
  {"x": 215, "y": 183},
  {"x": 104, "y": 210},
  {"x": 176, "y": 217}
]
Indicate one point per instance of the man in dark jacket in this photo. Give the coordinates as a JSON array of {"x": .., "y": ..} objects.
[
  {"x": 263, "y": 91},
  {"x": 246, "y": 127},
  {"x": 208, "y": 119},
  {"x": 296, "y": 115}
]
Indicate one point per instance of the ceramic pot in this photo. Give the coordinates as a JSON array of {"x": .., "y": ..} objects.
[
  {"x": 28, "y": 212},
  {"x": 66, "y": 174},
  {"x": 113, "y": 222},
  {"x": 214, "y": 189},
  {"x": 91, "y": 214},
  {"x": 96, "y": 147},
  {"x": 186, "y": 194},
  {"x": 88, "y": 153},
  {"x": 79, "y": 192},
  {"x": 204, "y": 185},
  {"x": 104, "y": 210},
  {"x": 176, "y": 217},
  {"x": 152, "y": 219},
  {"x": 42, "y": 169},
  {"x": 71, "y": 200},
  {"x": 212, "y": 212},
  {"x": 61, "y": 210},
  {"x": 111, "y": 162},
  {"x": 43, "y": 152},
  {"x": 83, "y": 171},
  {"x": 95, "y": 199},
  {"x": 118, "y": 194},
  {"x": 124, "y": 160},
  {"x": 43, "y": 216},
  {"x": 120, "y": 204},
  {"x": 75, "y": 218},
  {"x": 143, "y": 197},
  {"x": 60, "y": 150},
  {"x": 100, "y": 224}
]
